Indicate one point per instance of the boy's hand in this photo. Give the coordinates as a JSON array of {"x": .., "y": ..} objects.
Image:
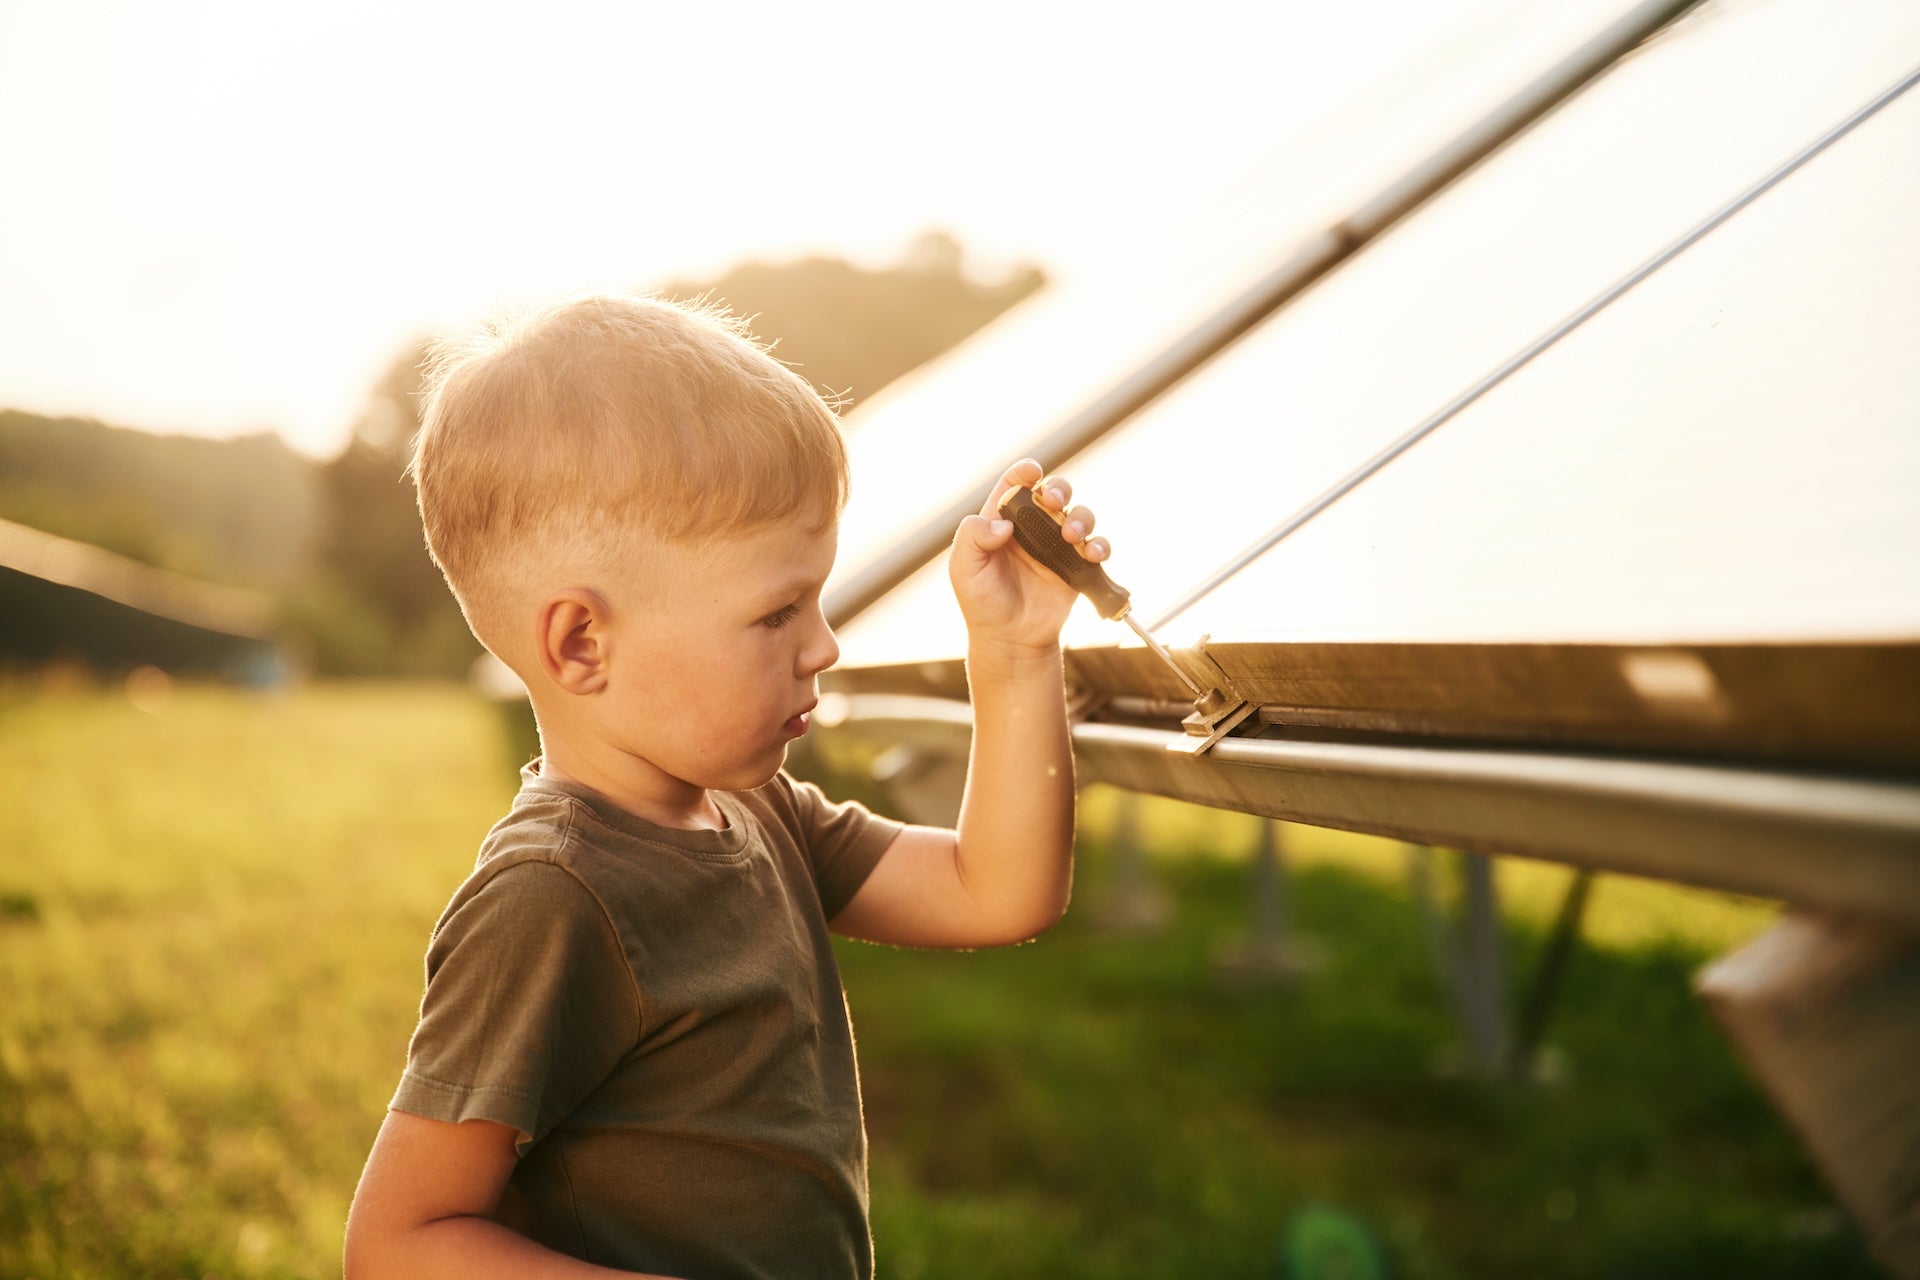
[
  {"x": 1004, "y": 874},
  {"x": 1008, "y": 598}
]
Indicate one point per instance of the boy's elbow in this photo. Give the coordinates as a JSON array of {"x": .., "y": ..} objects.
[
  {"x": 375, "y": 1254},
  {"x": 1027, "y": 926},
  {"x": 1031, "y": 933},
  {"x": 376, "y": 1245},
  {"x": 368, "y": 1253},
  {"x": 358, "y": 1260}
]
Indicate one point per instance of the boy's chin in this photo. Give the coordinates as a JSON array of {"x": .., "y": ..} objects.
[{"x": 750, "y": 775}]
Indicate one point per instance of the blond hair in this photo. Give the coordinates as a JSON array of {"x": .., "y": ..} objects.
[{"x": 559, "y": 439}]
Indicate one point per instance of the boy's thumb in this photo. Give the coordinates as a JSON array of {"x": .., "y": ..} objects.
[{"x": 983, "y": 536}]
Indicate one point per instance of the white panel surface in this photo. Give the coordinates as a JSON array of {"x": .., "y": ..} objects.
[
  {"x": 1642, "y": 481},
  {"x": 930, "y": 436},
  {"x": 1729, "y": 452}
]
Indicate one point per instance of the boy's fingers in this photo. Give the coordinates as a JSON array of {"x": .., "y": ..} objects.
[
  {"x": 1079, "y": 524},
  {"x": 1057, "y": 491},
  {"x": 1096, "y": 549},
  {"x": 1020, "y": 475}
]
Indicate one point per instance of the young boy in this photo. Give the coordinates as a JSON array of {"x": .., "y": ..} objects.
[{"x": 633, "y": 1053}]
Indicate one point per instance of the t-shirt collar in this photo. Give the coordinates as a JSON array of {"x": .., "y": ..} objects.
[{"x": 697, "y": 841}]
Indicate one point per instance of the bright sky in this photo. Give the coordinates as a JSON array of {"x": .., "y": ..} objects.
[{"x": 222, "y": 216}]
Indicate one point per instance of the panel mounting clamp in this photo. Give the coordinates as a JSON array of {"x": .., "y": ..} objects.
[{"x": 1217, "y": 712}]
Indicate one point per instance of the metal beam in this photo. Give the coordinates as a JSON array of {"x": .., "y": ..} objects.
[
  {"x": 1842, "y": 844},
  {"x": 1847, "y": 707},
  {"x": 1822, "y": 1010}
]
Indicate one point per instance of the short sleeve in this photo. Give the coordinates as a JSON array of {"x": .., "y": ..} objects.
[
  {"x": 530, "y": 1003},
  {"x": 843, "y": 841}
]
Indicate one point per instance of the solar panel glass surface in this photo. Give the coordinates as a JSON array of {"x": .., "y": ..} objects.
[
  {"x": 1731, "y": 451},
  {"x": 930, "y": 436},
  {"x": 1717, "y": 456}
]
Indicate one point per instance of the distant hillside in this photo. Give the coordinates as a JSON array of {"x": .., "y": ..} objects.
[
  {"x": 849, "y": 330},
  {"x": 241, "y": 510},
  {"x": 340, "y": 543}
]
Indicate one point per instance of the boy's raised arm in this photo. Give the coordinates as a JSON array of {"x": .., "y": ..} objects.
[
  {"x": 1005, "y": 874},
  {"x": 424, "y": 1204}
]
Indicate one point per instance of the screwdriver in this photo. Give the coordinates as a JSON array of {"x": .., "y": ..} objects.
[{"x": 1037, "y": 529}]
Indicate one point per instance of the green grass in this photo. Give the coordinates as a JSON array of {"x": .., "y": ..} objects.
[
  {"x": 211, "y": 927},
  {"x": 209, "y": 996}
]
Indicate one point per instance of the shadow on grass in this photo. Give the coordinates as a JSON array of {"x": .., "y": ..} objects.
[{"x": 1099, "y": 1105}]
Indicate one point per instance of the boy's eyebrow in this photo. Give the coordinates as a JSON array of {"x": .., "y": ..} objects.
[{"x": 788, "y": 588}]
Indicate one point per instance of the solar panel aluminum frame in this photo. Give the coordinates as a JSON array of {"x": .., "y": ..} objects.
[
  {"x": 1848, "y": 845},
  {"x": 1834, "y": 708}
]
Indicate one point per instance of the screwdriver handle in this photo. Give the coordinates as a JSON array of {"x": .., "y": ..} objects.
[{"x": 1037, "y": 530}]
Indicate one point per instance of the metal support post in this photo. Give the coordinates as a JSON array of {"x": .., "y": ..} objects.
[
  {"x": 1469, "y": 957},
  {"x": 1544, "y": 990},
  {"x": 1275, "y": 950},
  {"x": 1133, "y": 903},
  {"x": 1482, "y": 977}
]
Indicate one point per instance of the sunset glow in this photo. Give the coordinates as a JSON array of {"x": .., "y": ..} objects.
[{"x": 224, "y": 217}]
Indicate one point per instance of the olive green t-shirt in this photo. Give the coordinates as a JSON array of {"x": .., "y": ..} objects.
[{"x": 658, "y": 1013}]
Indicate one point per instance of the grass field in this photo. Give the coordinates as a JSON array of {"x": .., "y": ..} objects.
[{"x": 212, "y": 916}]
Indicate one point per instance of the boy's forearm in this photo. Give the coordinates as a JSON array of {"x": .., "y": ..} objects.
[
  {"x": 467, "y": 1249},
  {"x": 1016, "y": 821}
]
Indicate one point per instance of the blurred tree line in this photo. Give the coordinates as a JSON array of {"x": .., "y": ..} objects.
[
  {"x": 240, "y": 511},
  {"x": 338, "y": 543}
]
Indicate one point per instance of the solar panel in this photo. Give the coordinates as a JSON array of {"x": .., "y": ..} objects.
[
  {"x": 1590, "y": 513},
  {"x": 927, "y": 438},
  {"x": 1726, "y": 453},
  {"x": 1649, "y": 604}
]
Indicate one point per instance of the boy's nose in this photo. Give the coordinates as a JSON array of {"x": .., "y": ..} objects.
[{"x": 821, "y": 652}]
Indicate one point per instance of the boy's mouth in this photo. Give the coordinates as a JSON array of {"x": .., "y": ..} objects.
[{"x": 797, "y": 726}]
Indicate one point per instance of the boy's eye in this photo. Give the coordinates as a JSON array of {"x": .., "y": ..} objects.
[{"x": 781, "y": 617}]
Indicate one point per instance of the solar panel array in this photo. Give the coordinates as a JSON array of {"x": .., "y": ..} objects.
[{"x": 1722, "y": 455}]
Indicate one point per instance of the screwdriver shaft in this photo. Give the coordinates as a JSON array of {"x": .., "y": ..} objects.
[{"x": 1165, "y": 657}]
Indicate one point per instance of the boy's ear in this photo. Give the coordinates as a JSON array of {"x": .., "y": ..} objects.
[{"x": 570, "y": 640}]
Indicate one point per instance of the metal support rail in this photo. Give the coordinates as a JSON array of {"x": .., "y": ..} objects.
[
  {"x": 1841, "y": 844},
  {"x": 1312, "y": 261}
]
